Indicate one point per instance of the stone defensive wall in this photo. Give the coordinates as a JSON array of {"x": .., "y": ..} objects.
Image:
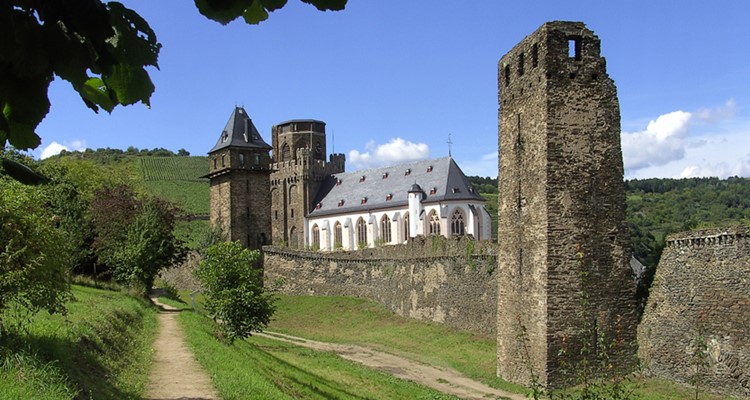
[
  {"x": 696, "y": 325},
  {"x": 448, "y": 281}
]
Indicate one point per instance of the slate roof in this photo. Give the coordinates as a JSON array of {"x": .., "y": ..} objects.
[
  {"x": 440, "y": 179},
  {"x": 240, "y": 132}
]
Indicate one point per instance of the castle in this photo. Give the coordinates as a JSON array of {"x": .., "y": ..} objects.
[
  {"x": 556, "y": 287},
  {"x": 298, "y": 199}
]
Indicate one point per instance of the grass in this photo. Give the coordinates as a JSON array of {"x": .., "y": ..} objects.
[
  {"x": 193, "y": 197},
  {"x": 259, "y": 368},
  {"x": 100, "y": 350},
  {"x": 362, "y": 322}
]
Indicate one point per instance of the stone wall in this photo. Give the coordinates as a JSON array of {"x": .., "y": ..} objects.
[
  {"x": 448, "y": 281},
  {"x": 700, "y": 298}
]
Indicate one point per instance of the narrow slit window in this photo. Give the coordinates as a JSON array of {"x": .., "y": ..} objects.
[
  {"x": 534, "y": 55},
  {"x": 506, "y": 72},
  {"x": 520, "y": 64},
  {"x": 574, "y": 48}
]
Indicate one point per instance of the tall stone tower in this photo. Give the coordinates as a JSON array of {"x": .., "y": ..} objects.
[
  {"x": 299, "y": 167},
  {"x": 563, "y": 268},
  {"x": 239, "y": 179}
]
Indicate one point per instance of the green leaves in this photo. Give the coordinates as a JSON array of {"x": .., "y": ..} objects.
[
  {"x": 254, "y": 11},
  {"x": 129, "y": 84}
]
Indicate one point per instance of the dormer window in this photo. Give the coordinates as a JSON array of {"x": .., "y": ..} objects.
[
  {"x": 433, "y": 190},
  {"x": 224, "y": 136},
  {"x": 429, "y": 169},
  {"x": 385, "y": 175},
  {"x": 407, "y": 172},
  {"x": 362, "y": 178},
  {"x": 456, "y": 190},
  {"x": 364, "y": 200},
  {"x": 338, "y": 182},
  {"x": 389, "y": 197},
  {"x": 341, "y": 203},
  {"x": 471, "y": 189},
  {"x": 318, "y": 206}
]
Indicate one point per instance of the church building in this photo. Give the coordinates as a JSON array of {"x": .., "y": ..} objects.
[{"x": 295, "y": 197}]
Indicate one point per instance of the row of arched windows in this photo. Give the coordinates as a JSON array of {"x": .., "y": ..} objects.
[{"x": 457, "y": 227}]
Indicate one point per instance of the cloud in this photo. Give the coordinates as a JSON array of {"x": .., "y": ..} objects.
[
  {"x": 727, "y": 111},
  {"x": 663, "y": 141},
  {"x": 721, "y": 169},
  {"x": 55, "y": 148},
  {"x": 396, "y": 151}
]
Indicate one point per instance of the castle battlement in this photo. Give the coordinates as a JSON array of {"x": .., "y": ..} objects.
[{"x": 708, "y": 237}]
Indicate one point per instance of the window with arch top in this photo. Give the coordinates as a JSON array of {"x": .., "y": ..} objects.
[
  {"x": 315, "y": 237},
  {"x": 361, "y": 232},
  {"x": 286, "y": 154},
  {"x": 337, "y": 235},
  {"x": 434, "y": 220},
  {"x": 457, "y": 223},
  {"x": 385, "y": 228}
]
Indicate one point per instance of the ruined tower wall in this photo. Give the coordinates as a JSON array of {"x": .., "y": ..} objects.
[
  {"x": 700, "y": 299},
  {"x": 563, "y": 273}
]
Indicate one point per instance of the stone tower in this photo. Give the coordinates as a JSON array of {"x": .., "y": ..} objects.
[
  {"x": 239, "y": 179},
  {"x": 299, "y": 167},
  {"x": 563, "y": 266}
]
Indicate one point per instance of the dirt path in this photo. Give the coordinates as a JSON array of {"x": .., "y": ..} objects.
[
  {"x": 175, "y": 374},
  {"x": 443, "y": 380}
]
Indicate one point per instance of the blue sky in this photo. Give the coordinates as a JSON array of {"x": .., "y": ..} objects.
[{"x": 392, "y": 79}]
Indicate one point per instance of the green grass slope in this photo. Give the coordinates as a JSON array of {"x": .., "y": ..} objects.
[{"x": 100, "y": 350}]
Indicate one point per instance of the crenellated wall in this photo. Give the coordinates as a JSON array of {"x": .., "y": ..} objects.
[
  {"x": 700, "y": 299},
  {"x": 449, "y": 281}
]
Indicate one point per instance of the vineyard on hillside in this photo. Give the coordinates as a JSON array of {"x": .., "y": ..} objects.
[{"x": 174, "y": 168}]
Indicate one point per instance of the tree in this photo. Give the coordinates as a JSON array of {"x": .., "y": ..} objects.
[
  {"x": 134, "y": 237},
  {"x": 101, "y": 49},
  {"x": 33, "y": 252},
  {"x": 233, "y": 286}
]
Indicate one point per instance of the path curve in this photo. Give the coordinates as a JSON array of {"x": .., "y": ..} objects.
[
  {"x": 175, "y": 375},
  {"x": 441, "y": 379}
]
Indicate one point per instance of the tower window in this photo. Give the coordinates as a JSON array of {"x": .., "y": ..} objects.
[
  {"x": 292, "y": 213},
  {"x": 222, "y": 160},
  {"x": 456, "y": 190},
  {"x": 257, "y": 159},
  {"x": 506, "y": 72},
  {"x": 520, "y": 64},
  {"x": 215, "y": 161},
  {"x": 242, "y": 159},
  {"x": 574, "y": 48},
  {"x": 534, "y": 55}
]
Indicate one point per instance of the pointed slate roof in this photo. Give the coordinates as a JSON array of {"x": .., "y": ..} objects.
[
  {"x": 240, "y": 132},
  {"x": 440, "y": 179}
]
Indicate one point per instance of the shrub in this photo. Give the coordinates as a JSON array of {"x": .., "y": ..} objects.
[{"x": 233, "y": 287}]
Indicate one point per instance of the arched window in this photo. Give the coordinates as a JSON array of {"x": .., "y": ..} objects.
[
  {"x": 315, "y": 237},
  {"x": 292, "y": 193},
  {"x": 361, "y": 233},
  {"x": 457, "y": 223},
  {"x": 434, "y": 220},
  {"x": 385, "y": 228},
  {"x": 337, "y": 235},
  {"x": 407, "y": 229},
  {"x": 286, "y": 155}
]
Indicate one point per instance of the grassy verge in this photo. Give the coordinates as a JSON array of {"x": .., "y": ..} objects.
[
  {"x": 260, "y": 368},
  {"x": 100, "y": 350}
]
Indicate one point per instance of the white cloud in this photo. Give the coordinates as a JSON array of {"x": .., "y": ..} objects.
[
  {"x": 721, "y": 169},
  {"x": 663, "y": 141},
  {"x": 396, "y": 151},
  {"x": 727, "y": 111},
  {"x": 55, "y": 148}
]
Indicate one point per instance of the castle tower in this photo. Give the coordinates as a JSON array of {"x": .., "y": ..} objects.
[
  {"x": 563, "y": 263},
  {"x": 239, "y": 179},
  {"x": 299, "y": 167}
]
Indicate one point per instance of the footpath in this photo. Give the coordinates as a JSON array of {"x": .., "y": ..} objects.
[{"x": 175, "y": 375}]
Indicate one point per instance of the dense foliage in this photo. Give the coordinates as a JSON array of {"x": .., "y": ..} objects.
[
  {"x": 233, "y": 286},
  {"x": 101, "y": 48},
  {"x": 33, "y": 251},
  {"x": 134, "y": 235}
]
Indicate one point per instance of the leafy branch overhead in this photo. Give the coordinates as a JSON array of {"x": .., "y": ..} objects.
[{"x": 101, "y": 49}]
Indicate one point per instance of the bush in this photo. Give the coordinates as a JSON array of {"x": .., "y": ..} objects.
[{"x": 233, "y": 286}]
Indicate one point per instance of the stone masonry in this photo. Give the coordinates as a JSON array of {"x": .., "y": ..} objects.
[
  {"x": 447, "y": 281},
  {"x": 563, "y": 256},
  {"x": 700, "y": 302}
]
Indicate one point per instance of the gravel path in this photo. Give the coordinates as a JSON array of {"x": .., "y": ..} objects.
[
  {"x": 175, "y": 375},
  {"x": 441, "y": 379}
]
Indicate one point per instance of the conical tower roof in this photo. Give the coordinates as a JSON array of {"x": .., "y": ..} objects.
[{"x": 240, "y": 132}]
